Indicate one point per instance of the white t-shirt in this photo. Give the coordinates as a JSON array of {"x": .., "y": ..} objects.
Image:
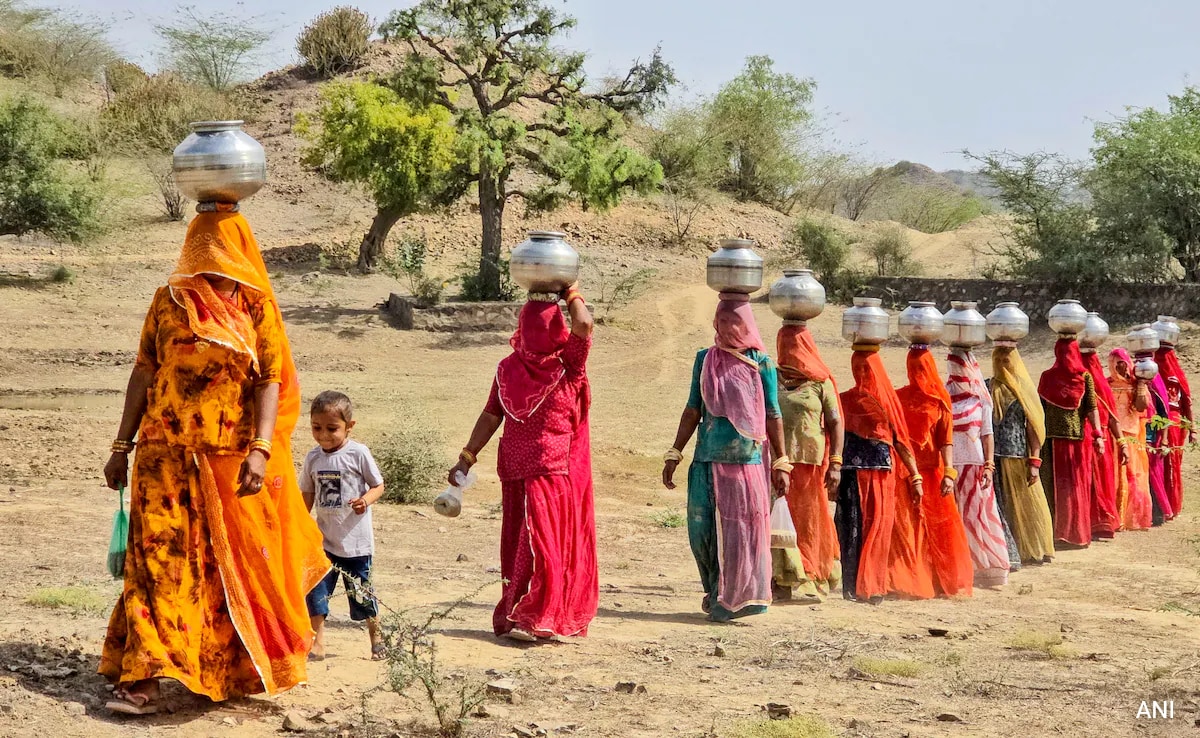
[{"x": 336, "y": 478}]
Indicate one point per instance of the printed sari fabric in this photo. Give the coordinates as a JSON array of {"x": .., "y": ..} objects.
[
  {"x": 1133, "y": 490},
  {"x": 1158, "y": 447},
  {"x": 214, "y": 584},
  {"x": 972, "y": 406},
  {"x": 548, "y": 529},
  {"x": 866, "y": 509},
  {"x": 1105, "y": 520},
  {"x": 943, "y": 542}
]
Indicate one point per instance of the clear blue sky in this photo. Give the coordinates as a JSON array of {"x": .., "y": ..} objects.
[{"x": 915, "y": 80}]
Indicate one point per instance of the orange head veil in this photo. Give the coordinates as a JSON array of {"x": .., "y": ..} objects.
[
  {"x": 872, "y": 404},
  {"x": 799, "y": 359}
]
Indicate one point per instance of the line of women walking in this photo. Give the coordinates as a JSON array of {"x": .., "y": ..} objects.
[{"x": 939, "y": 485}]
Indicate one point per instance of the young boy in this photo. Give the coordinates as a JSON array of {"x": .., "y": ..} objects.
[{"x": 340, "y": 476}]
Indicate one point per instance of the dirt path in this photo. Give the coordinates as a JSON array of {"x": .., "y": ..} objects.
[{"x": 1069, "y": 649}]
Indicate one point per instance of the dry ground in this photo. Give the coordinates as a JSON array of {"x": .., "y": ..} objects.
[{"x": 1070, "y": 649}]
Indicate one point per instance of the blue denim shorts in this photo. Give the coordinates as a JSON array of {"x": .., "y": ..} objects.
[{"x": 362, "y": 605}]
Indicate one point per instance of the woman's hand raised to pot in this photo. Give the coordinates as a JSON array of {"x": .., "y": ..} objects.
[
  {"x": 254, "y": 470},
  {"x": 116, "y": 471}
]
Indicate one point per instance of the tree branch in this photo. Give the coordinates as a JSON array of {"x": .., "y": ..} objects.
[{"x": 473, "y": 80}]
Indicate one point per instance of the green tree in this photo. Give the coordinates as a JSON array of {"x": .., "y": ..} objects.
[
  {"x": 1147, "y": 179},
  {"x": 690, "y": 152},
  {"x": 211, "y": 49},
  {"x": 763, "y": 115},
  {"x": 1052, "y": 232},
  {"x": 820, "y": 246},
  {"x": 401, "y": 153},
  {"x": 492, "y": 64},
  {"x": 39, "y": 191}
]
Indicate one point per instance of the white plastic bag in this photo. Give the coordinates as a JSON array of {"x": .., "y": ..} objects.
[
  {"x": 449, "y": 502},
  {"x": 783, "y": 531}
]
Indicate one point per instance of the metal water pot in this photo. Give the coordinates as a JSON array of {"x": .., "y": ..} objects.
[
  {"x": 1067, "y": 317},
  {"x": 921, "y": 322},
  {"x": 965, "y": 326},
  {"x": 218, "y": 162},
  {"x": 1142, "y": 339},
  {"x": 866, "y": 322},
  {"x": 734, "y": 267},
  {"x": 544, "y": 263},
  {"x": 1094, "y": 333},
  {"x": 797, "y": 296},
  {"x": 1007, "y": 322},
  {"x": 1167, "y": 328},
  {"x": 1145, "y": 368}
]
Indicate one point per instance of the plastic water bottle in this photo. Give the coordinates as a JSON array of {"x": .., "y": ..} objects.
[{"x": 449, "y": 502}]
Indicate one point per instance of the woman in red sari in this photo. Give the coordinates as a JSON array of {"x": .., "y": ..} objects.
[
  {"x": 942, "y": 554},
  {"x": 548, "y": 533},
  {"x": 1069, "y": 397},
  {"x": 1179, "y": 394},
  {"x": 866, "y": 507},
  {"x": 1106, "y": 519}
]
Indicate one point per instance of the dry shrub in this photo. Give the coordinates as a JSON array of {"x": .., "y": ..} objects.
[
  {"x": 412, "y": 464},
  {"x": 157, "y": 115},
  {"x": 171, "y": 200},
  {"x": 123, "y": 76},
  {"x": 336, "y": 41}
]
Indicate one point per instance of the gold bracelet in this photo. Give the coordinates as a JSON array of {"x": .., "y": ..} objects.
[
  {"x": 261, "y": 445},
  {"x": 950, "y": 473},
  {"x": 468, "y": 457},
  {"x": 783, "y": 464},
  {"x": 121, "y": 446},
  {"x": 917, "y": 479},
  {"x": 835, "y": 459},
  {"x": 673, "y": 454}
]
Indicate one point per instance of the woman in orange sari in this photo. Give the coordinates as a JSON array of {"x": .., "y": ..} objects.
[
  {"x": 940, "y": 562},
  {"x": 812, "y": 429},
  {"x": 221, "y": 550},
  {"x": 1132, "y": 400},
  {"x": 866, "y": 507}
]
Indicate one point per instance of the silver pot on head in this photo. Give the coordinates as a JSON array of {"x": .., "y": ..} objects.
[
  {"x": 866, "y": 322},
  {"x": 734, "y": 267},
  {"x": 1007, "y": 322},
  {"x": 1067, "y": 318},
  {"x": 798, "y": 296},
  {"x": 1094, "y": 333},
  {"x": 965, "y": 326},
  {"x": 218, "y": 162},
  {"x": 921, "y": 323},
  {"x": 544, "y": 263}
]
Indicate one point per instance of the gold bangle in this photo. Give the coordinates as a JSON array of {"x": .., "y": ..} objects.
[
  {"x": 917, "y": 479},
  {"x": 261, "y": 445},
  {"x": 835, "y": 459},
  {"x": 468, "y": 457},
  {"x": 783, "y": 463},
  {"x": 121, "y": 446},
  {"x": 950, "y": 473}
]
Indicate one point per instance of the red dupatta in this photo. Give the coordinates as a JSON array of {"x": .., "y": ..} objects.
[
  {"x": 1063, "y": 384},
  {"x": 527, "y": 376}
]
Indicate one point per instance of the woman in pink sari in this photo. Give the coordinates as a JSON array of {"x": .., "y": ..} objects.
[
  {"x": 1158, "y": 446},
  {"x": 548, "y": 533},
  {"x": 734, "y": 405},
  {"x": 1179, "y": 396}
]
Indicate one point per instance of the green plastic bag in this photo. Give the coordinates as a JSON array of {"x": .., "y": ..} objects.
[{"x": 120, "y": 538}]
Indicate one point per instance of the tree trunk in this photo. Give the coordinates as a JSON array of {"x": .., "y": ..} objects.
[
  {"x": 372, "y": 244},
  {"x": 491, "y": 212}
]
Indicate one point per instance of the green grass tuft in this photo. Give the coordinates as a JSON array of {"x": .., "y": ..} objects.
[{"x": 77, "y": 600}]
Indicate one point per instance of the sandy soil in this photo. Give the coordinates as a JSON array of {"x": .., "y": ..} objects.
[{"x": 1118, "y": 609}]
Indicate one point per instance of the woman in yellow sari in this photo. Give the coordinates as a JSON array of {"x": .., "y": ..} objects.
[{"x": 221, "y": 550}]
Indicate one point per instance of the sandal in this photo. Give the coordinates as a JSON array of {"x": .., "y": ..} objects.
[
  {"x": 523, "y": 636},
  {"x": 125, "y": 702},
  {"x": 378, "y": 652}
]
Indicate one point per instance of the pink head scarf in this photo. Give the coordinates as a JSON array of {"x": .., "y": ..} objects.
[{"x": 730, "y": 384}]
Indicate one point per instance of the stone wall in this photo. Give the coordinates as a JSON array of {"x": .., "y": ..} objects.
[
  {"x": 455, "y": 317},
  {"x": 1120, "y": 304}
]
